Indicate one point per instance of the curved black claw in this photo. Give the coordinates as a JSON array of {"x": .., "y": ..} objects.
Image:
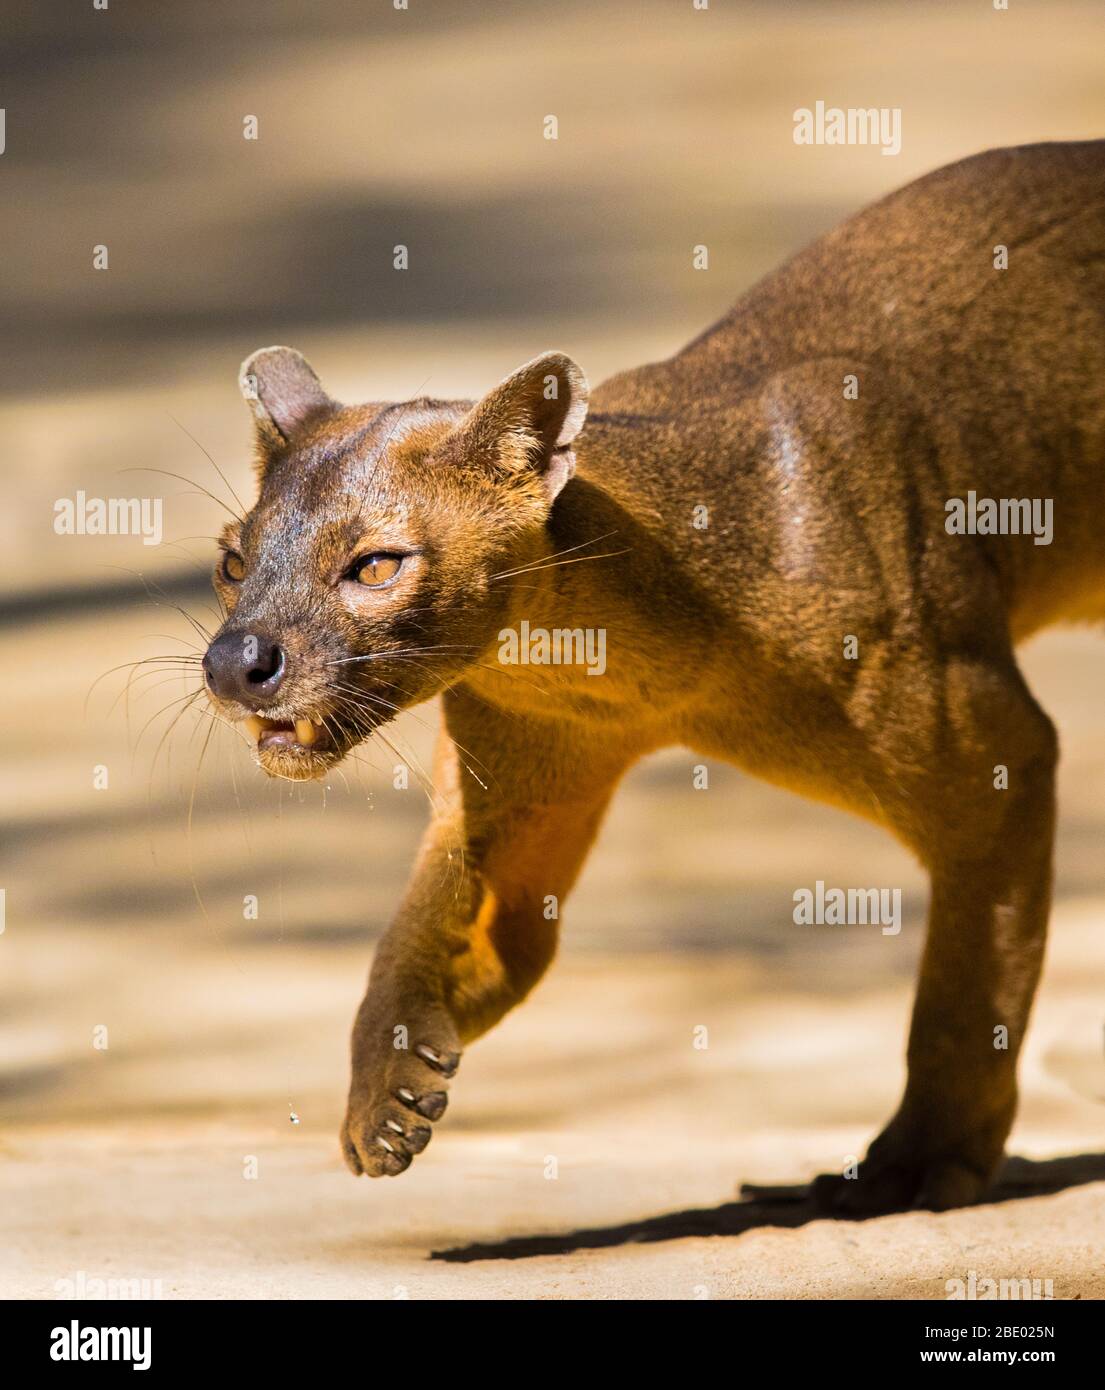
[
  {"x": 444, "y": 1062},
  {"x": 431, "y": 1106}
]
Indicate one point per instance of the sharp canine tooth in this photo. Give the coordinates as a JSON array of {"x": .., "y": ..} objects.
[
  {"x": 256, "y": 726},
  {"x": 305, "y": 732}
]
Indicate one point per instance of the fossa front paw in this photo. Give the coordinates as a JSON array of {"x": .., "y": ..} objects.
[{"x": 391, "y": 1113}]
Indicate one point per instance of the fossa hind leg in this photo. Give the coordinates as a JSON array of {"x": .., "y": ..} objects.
[{"x": 988, "y": 848}]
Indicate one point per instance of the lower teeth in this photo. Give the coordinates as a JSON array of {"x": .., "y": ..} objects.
[{"x": 306, "y": 730}]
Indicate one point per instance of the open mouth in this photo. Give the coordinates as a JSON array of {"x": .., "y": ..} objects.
[
  {"x": 292, "y": 735},
  {"x": 295, "y": 749}
]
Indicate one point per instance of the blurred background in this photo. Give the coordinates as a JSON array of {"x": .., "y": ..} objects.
[{"x": 424, "y": 127}]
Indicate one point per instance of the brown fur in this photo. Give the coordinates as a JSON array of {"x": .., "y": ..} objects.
[{"x": 826, "y": 520}]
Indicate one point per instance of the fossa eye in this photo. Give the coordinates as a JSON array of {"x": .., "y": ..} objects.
[
  {"x": 374, "y": 571},
  {"x": 234, "y": 567}
]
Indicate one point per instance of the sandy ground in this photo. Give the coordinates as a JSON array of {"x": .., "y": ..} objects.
[{"x": 591, "y": 1150}]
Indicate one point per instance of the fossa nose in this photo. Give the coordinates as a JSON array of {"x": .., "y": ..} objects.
[{"x": 246, "y": 667}]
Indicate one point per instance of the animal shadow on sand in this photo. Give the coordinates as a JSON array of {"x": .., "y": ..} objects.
[{"x": 766, "y": 1206}]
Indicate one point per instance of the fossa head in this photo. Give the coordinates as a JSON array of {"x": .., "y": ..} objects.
[{"x": 368, "y": 574}]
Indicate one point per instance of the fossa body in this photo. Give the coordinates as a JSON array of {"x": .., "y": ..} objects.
[{"x": 759, "y": 526}]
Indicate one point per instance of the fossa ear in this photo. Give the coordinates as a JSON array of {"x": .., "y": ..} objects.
[
  {"x": 281, "y": 388},
  {"x": 529, "y": 421}
]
